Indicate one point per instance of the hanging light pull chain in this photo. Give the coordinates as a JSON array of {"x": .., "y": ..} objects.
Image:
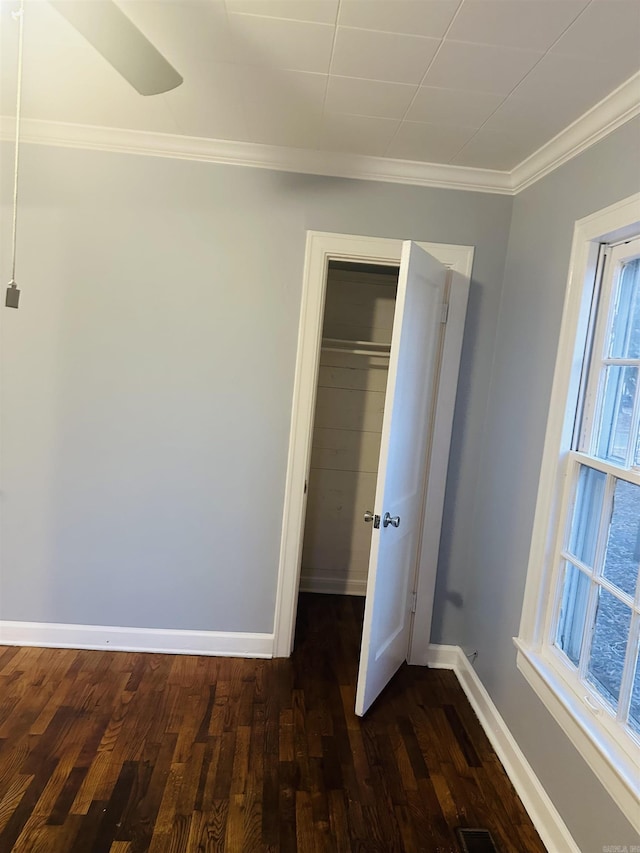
[{"x": 13, "y": 294}]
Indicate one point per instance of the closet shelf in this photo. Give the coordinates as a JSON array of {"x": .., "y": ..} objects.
[{"x": 356, "y": 347}]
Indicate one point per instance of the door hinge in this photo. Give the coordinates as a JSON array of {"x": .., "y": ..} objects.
[
  {"x": 444, "y": 316},
  {"x": 414, "y": 597}
]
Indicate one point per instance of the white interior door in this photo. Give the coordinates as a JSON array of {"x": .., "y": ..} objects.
[{"x": 401, "y": 472}]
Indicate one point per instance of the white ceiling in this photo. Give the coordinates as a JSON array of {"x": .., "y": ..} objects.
[{"x": 481, "y": 83}]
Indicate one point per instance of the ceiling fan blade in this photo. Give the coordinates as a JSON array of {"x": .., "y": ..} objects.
[{"x": 121, "y": 43}]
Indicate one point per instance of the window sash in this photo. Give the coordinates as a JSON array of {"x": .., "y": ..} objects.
[
  {"x": 576, "y": 676},
  {"x": 590, "y": 399},
  {"x": 624, "y": 738}
]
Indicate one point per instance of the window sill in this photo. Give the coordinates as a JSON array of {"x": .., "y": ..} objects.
[{"x": 614, "y": 767}]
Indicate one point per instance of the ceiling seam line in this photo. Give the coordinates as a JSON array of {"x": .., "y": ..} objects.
[
  {"x": 433, "y": 59},
  {"x": 333, "y": 48},
  {"x": 518, "y": 84}
]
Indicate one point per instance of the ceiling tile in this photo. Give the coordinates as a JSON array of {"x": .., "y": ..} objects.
[
  {"x": 479, "y": 68},
  {"x": 220, "y": 87},
  {"x": 294, "y": 45},
  {"x": 283, "y": 92},
  {"x": 283, "y": 107},
  {"x": 429, "y": 142},
  {"x": 499, "y": 149},
  {"x": 583, "y": 80},
  {"x": 550, "y": 114},
  {"x": 606, "y": 29},
  {"x": 278, "y": 89},
  {"x": 288, "y": 131},
  {"x": 368, "y": 97},
  {"x": 531, "y": 24},
  {"x": 316, "y": 11},
  {"x": 414, "y": 17},
  {"x": 382, "y": 56},
  {"x": 184, "y": 30},
  {"x": 452, "y": 106},
  {"x": 356, "y": 134}
]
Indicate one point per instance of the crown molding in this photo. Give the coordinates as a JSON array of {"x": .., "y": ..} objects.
[
  {"x": 613, "y": 111},
  {"x": 619, "y": 107},
  {"x": 255, "y": 155}
]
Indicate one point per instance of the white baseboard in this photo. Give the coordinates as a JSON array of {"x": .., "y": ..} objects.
[
  {"x": 544, "y": 815},
  {"x": 160, "y": 640},
  {"x": 334, "y": 585}
]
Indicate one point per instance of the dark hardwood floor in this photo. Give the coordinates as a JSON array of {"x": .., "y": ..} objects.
[{"x": 108, "y": 752}]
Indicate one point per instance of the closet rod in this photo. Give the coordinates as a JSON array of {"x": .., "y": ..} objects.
[
  {"x": 352, "y": 351},
  {"x": 356, "y": 347}
]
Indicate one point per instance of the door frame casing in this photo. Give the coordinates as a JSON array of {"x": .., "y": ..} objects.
[{"x": 322, "y": 247}]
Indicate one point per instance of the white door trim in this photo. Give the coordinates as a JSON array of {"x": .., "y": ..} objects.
[{"x": 320, "y": 249}]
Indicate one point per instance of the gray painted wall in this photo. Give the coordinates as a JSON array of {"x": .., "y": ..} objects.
[
  {"x": 148, "y": 377},
  {"x": 497, "y": 544}
]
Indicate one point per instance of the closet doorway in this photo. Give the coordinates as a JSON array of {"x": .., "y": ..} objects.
[
  {"x": 347, "y": 430},
  {"x": 346, "y": 413}
]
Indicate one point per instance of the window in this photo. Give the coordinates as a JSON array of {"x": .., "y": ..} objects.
[
  {"x": 595, "y": 624},
  {"x": 579, "y": 639}
]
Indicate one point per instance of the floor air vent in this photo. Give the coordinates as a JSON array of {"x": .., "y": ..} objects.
[{"x": 476, "y": 841}]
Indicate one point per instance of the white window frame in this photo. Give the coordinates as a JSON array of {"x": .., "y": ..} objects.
[{"x": 585, "y": 721}]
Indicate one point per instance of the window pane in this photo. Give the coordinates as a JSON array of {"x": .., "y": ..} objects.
[
  {"x": 634, "y": 710},
  {"x": 625, "y": 331},
  {"x": 620, "y": 384},
  {"x": 622, "y": 559},
  {"x": 609, "y": 645},
  {"x": 586, "y": 514},
  {"x": 572, "y": 612}
]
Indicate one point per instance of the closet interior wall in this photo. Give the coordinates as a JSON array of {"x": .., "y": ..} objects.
[{"x": 358, "y": 321}]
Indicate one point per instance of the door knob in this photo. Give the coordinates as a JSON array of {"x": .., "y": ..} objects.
[
  {"x": 394, "y": 520},
  {"x": 369, "y": 516}
]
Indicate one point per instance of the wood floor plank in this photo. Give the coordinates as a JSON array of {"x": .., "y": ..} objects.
[
  {"x": 12, "y": 758},
  {"x": 11, "y": 800},
  {"x": 84, "y": 798},
  {"x": 118, "y": 752},
  {"x": 66, "y": 796},
  {"x": 186, "y": 801},
  {"x": 305, "y": 836},
  {"x": 338, "y": 821}
]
